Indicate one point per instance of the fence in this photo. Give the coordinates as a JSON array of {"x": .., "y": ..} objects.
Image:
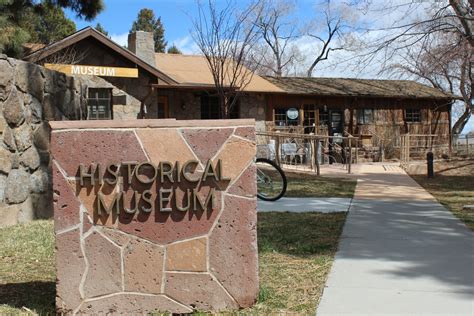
[
  {"x": 463, "y": 146},
  {"x": 306, "y": 152},
  {"x": 416, "y": 146}
]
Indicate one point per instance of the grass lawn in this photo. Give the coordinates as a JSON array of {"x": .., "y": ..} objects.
[
  {"x": 307, "y": 185},
  {"x": 453, "y": 186},
  {"x": 296, "y": 251}
]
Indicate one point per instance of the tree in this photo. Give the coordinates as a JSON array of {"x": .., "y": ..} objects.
[
  {"x": 43, "y": 21},
  {"x": 147, "y": 22},
  {"x": 225, "y": 37},
  {"x": 437, "y": 48},
  {"x": 333, "y": 27},
  {"x": 173, "y": 50},
  {"x": 101, "y": 29},
  {"x": 47, "y": 24},
  {"x": 277, "y": 32}
]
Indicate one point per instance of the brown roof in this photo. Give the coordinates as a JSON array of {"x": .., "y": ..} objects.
[
  {"x": 91, "y": 32},
  {"x": 193, "y": 70},
  {"x": 357, "y": 87}
]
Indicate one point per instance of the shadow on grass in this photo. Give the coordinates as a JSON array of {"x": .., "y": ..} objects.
[
  {"x": 37, "y": 296},
  {"x": 299, "y": 234}
]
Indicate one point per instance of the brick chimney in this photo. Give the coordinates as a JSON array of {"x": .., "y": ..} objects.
[{"x": 142, "y": 44}]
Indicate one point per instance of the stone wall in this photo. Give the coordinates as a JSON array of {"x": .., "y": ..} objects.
[
  {"x": 186, "y": 105},
  {"x": 149, "y": 258},
  {"x": 30, "y": 96}
]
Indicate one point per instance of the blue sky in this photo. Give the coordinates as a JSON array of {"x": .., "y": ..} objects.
[{"x": 118, "y": 16}]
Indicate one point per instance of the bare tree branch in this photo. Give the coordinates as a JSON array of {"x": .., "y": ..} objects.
[{"x": 225, "y": 37}]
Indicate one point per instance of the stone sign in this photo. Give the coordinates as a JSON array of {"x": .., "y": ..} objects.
[{"x": 154, "y": 215}]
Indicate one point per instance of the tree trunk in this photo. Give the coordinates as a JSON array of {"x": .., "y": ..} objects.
[{"x": 462, "y": 121}]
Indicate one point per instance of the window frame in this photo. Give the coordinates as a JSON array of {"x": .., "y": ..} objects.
[
  {"x": 282, "y": 117},
  {"x": 413, "y": 115},
  {"x": 363, "y": 118},
  {"x": 97, "y": 99}
]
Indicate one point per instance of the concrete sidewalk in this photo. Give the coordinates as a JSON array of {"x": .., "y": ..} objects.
[{"x": 401, "y": 253}]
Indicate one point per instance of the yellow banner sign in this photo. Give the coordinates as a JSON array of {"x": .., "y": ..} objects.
[{"x": 94, "y": 70}]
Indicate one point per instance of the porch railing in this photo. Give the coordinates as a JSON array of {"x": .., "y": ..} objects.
[{"x": 305, "y": 151}]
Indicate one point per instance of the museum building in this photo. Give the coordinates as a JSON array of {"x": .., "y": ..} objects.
[{"x": 139, "y": 83}]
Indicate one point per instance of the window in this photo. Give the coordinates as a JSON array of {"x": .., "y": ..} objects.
[
  {"x": 99, "y": 105},
  {"x": 323, "y": 117},
  {"x": 365, "y": 116},
  {"x": 413, "y": 115},
  {"x": 309, "y": 118},
  {"x": 209, "y": 107},
  {"x": 281, "y": 119}
]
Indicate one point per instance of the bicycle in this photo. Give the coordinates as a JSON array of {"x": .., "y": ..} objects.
[{"x": 271, "y": 180}]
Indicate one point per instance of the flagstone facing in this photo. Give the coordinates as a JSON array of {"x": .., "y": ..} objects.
[{"x": 178, "y": 261}]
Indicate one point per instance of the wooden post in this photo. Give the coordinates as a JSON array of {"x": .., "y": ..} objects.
[
  {"x": 350, "y": 155},
  {"x": 277, "y": 150},
  {"x": 317, "y": 149},
  {"x": 467, "y": 145},
  {"x": 314, "y": 155},
  {"x": 357, "y": 151}
]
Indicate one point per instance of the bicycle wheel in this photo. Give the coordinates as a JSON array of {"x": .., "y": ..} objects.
[{"x": 271, "y": 180}]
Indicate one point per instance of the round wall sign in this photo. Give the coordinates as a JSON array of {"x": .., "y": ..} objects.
[{"x": 292, "y": 113}]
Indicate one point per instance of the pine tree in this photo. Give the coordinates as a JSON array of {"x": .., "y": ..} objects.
[
  {"x": 44, "y": 22},
  {"x": 146, "y": 21},
  {"x": 173, "y": 50},
  {"x": 48, "y": 24},
  {"x": 101, "y": 29}
]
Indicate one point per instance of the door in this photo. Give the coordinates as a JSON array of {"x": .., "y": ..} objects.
[
  {"x": 337, "y": 122},
  {"x": 163, "y": 111}
]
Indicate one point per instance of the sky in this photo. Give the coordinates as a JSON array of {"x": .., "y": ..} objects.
[{"x": 176, "y": 16}]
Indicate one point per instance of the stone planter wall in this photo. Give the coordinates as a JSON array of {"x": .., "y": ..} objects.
[
  {"x": 145, "y": 260},
  {"x": 30, "y": 96}
]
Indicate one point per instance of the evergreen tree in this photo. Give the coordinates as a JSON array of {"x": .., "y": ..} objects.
[
  {"x": 101, "y": 29},
  {"x": 44, "y": 22},
  {"x": 47, "y": 24},
  {"x": 173, "y": 50},
  {"x": 146, "y": 21}
]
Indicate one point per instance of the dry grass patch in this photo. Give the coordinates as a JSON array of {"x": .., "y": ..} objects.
[
  {"x": 453, "y": 186},
  {"x": 309, "y": 185},
  {"x": 27, "y": 272},
  {"x": 296, "y": 251}
]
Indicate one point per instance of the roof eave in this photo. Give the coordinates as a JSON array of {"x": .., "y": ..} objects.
[{"x": 89, "y": 31}]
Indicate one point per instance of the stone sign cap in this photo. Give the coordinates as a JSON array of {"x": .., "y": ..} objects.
[{"x": 154, "y": 215}]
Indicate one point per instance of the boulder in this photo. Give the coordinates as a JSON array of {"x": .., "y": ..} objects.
[
  {"x": 3, "y": 185},
  {"x": 13, "y": 108},
  {"x": 6, "y": 79},
  {"x": 29, "y": 79},
  {"x": 9, "y": 215},
  {"x": 41, "y": 136},
  {"x": 5, "y": 160},
  {"x": 9, "y": 138},
  {"x": 18, "y": 186},
  {"x": 30, "y": 158},
  {"x": 33, "y": 109},
  {"x": 39, "y": 181},
  {"x": 23, "y": 137},
  {"x": 27, "y": 211}
]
